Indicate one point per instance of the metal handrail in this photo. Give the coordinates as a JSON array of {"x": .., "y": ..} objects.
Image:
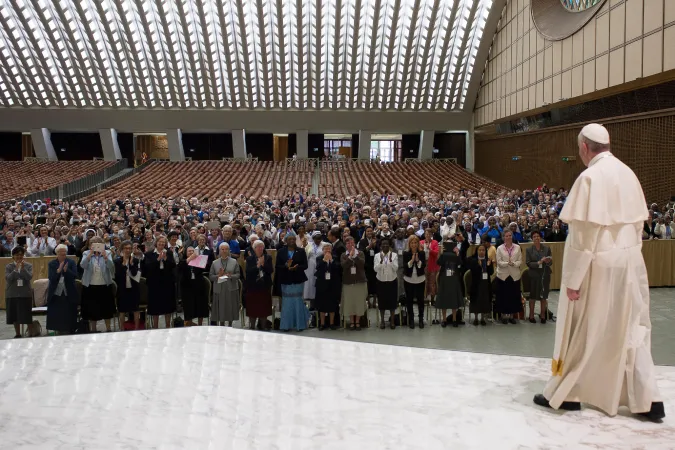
[{"x": 72, "y": 188}]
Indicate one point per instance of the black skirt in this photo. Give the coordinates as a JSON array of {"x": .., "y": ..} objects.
[
  {"x": 540, "y": 284},
  {"x": 129, "y": 299},
  {"x": 371, "y": 279},
  {"x": 19, "y": 310},
  {"x": 61, "y": 314},
  {"x": 508, "y": 296},
  {"x": 195, "y": 298},
  {"x": 387, "y": 295},
  {"x": 98, "y": 302}
]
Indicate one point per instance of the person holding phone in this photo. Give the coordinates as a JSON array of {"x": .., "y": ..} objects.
[
  {"x": 43, "y": 245},
  {"x": 62, "y": 295},
  {"x": 18, "y": 291},
  {"x": 98, "y": 302},
  {"x": 158, "y": 266}
]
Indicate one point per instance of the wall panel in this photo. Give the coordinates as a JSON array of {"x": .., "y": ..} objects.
[
  {"x": 653, "y": 54},
  {"x": 642, "y": 143},
  {"x": 653, "y": 17},
  {"x": 633, "y": 61},
  {"x": 620, "y": 44}
]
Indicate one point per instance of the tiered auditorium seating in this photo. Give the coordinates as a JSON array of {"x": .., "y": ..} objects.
[
  {"x": 348, "y": 178},
  {"x": 20, "y": 178},
  {"x": 213, "y": 179}
]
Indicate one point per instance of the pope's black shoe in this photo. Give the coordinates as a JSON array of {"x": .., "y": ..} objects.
[
  {"x": 656, "y": 414},
  {"x": 540, "y": 400}
]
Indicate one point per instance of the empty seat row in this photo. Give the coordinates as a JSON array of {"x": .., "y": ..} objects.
[{"x": 20, "y": 178}]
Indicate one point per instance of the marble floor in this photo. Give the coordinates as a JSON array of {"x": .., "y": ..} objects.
[
  {"x": 524, "y": 339},
  {"x": 224, "y": 388}
]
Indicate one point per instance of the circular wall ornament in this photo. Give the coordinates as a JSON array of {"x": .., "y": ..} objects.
[
  {"x": 578, "y": 5},
  {"x": 559, "y": 19}
]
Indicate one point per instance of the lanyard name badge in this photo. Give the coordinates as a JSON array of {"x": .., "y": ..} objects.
[
  {"x": 19, "y": 282},
  {"x": 353, "y": 270},
  {"x": 450, "y": 271},
  {"x": 192, "y": 274},
  {"x": 372, "y": 252}
]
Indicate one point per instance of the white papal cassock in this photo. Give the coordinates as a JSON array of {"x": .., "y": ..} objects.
[{"x": 602, "y": 353}]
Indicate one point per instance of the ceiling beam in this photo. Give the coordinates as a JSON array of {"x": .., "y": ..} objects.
[
  {"x": 195, "y": 120},
  {"x": 483, "y": 52}
]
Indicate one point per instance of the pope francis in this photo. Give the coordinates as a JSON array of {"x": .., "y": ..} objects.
[{"x": 602, "y": 355}]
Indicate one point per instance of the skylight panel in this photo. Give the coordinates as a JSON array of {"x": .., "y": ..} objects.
[{"x": 367, "y": 54}]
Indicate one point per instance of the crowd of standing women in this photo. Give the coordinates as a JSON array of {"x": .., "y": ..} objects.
[{"x": 339, "y": 278}]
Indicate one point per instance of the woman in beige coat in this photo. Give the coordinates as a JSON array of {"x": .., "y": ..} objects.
[{"x": 509, "y": 259}]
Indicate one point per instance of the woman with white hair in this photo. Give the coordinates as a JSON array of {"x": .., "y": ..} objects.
[
  {"x": 98, "y": 301},
  {"x": 313, "y": 250},
  {"x": 259, "y": 270},
  {"x": 225, "y": 277},
  {"x": 62, "y": 293}
]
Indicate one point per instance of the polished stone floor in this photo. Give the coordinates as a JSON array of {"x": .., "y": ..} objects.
[
  {"x": 223, "y": 388},
  {"x": 524, "y": 339}
]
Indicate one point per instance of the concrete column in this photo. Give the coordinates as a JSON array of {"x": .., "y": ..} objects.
[
  {"x": 174, "y": 139},
  {"x": 470, "y": 145},
  {"x": 42, "y": 143},
  {"x": 111, "y": 149},
  {"x": 302, "y": 143},
  {"x": 426, "y": 150},
  {"x": 239, "y": 143},
  {"x": 364, "y": 144}
]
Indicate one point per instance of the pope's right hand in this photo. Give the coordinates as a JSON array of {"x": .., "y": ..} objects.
[{"x": 572, "y": 294}]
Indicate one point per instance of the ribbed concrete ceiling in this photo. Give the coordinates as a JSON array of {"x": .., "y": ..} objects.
[{"x": 380, "y": 55}]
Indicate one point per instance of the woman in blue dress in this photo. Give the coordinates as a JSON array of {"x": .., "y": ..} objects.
[{"x": 290, "y": 270}]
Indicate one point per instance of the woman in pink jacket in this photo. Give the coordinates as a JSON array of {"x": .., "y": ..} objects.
[{"x": 431, "y": 249}]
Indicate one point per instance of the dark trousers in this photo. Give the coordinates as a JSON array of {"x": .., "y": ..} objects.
[{"x": 414, "y": 291}]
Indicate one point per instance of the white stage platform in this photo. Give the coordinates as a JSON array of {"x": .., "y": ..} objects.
[{"x": 221, "y": 388}]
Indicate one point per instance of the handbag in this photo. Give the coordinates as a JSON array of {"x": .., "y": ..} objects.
[{"x": 34, "y": 329}]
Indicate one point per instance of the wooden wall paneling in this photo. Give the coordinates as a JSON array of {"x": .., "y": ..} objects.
[
  {"x": 27, "y": 149},
  {"x": 642, "y": 143}
]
